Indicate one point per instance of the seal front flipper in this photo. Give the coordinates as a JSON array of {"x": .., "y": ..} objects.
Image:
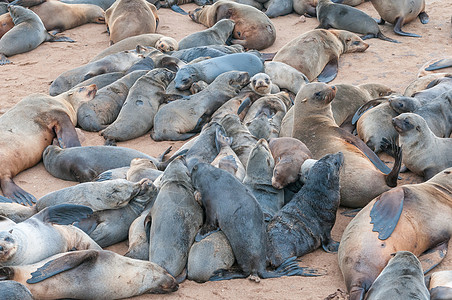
[
  {"x": 88, "y": 224},
  {"x": 398, "y": 28},
  {"x": 329, "y": 72},
  {"x": 386, "y": 212},
  {"x": 365, "y": 107},
  {"x": 4, "y": 60},
  {"x": 433, "y": 257},
  {"x": 64, "y": 214},
  {"x": 62, "y": 264},
  {"x": 440, "y": 64},
  {"x": 65, "y": 132},
  {"x": 330, "y": 246},
  {"x": 178, "y": 9},
  {"x": 13, "y": 191}
]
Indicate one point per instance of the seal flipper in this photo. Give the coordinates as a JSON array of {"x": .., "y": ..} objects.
[
  {"x": 65, "y": 132},
  {"x": 423, "y": 17},
  {"x": 398, "y": 28},
  {"x": 64, "y": 214},
  {"x": 162, "y": 165},
  {"x": 433, "y": 257},
  {"x": 61, "y": 264},
  {"x": 4, "y": 60},
  {"x": 52, "y": 38},
  {"x": 440, "y": 64},
  {"x": 386, "y": 212},
  {"x": 245, "y": 104},
  {"x": 365, "y": 107},
  {"x": 383, "y": 37},
  {"x": 178, "y": 9},
  {"x": 5, "y": 200},
  {"x": 89, "y": 224},
  {"x": 330, "y": 245},
  {"x": 441, "y": 292},
  {"x": 13, "y": 191},
  {"x": 329, "y": 72}
]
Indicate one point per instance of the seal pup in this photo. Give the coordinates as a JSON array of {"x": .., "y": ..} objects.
[
  {"x": 138, "y": 237},
  {"x": 314, "y": 125},
  {"x": 6, "y": 22},
  {"x": 176, "y": 218},
  {"x": 156, "y": 40},
  {"x": 127, "y": 18},
  {"x": 258, "y": 179},
  {"x": 289, "y": 155},
  {"x": 136, "y": 116},
  {"x": 279, "y": 8},
  {"x": 305, "y": 223},
  {"x": 332, "y": 15},
  {"x": 305, "y": 7},
  {"x": 118, "y": 62},
  {"x": 253, "y": 29},
  {"x": 83, "y": 164},
  {"x": 400, "y": 13},
  {"x": 425, "y": 154},
  {"x": 42, "y": 119},
  {"x": 27, "y": 34},
  {"x": 231, "y": 207},
  {"x": 100, "y": 268},
  {"x": 181, "y": 119},
  {"x": 13, "y": 290},
  {"x": 209, "y": 70},
  {"x": 104, "y": 108},
  {"x": 285, "y": 76},
  {"x": 141, "y": 168},
  {"x": 45, "y": 234},
  {"x": 327, "y": 45},
  {"x": 407, "y": 218},
  {"x": 403, "y": 270},
  {"x": 59, "y": 16},
  {"x": 218, "y": 34},
  {"x": 262, "y": 85}
]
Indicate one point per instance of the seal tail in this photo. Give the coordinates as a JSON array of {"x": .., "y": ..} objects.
[
  {"x": 391, "y": 178},
  {"x": 383, "y": 37}
]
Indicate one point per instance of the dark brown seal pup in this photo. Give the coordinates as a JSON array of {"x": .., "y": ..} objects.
[
  {"x": 400, "y": 13},
  {"x": 181, "y": 119},
  {"x": 332, "y": 15},
  {"x": 423, "y": 152},
  {"x": 411, "y": 218},
  {"x": 42, "y": 119},
  {"x": 289, "y": 155},
  {"x": 59, "y": 16},
  {"x": 45, "y": 234},
  {"x": 176, "y": 218},
  {"x": 304, "y": 224},
  {"x": 218, "y": 34},
  {"x": 58, "y": 277},
  {"x": 27, "y": 34},
  {"x": 316, "y": 52},
  {"x": 314, "y": 125},
  {"x": 230, "y": 206},
  {"x": 402, "y": 279},
  {"x": 253, "y": 29},
  {"x": 127, "y": 18}
]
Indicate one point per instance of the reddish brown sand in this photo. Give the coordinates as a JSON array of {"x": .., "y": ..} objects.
[{"x": 395, "y": 65}]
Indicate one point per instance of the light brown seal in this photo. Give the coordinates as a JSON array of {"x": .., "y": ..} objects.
[
  {"x": 411, "y": 218},
  {"x": 6, "y": 23},
  {"x": 253, "y": 29},
  {"x": 400, "y": 13},
  {"x": 218, "y": 34},
  {"x": 42, "y": 118},
  {"x": 129, "y": 18},
  {"x": 424, "y": 153},
  {"x": 316, "y": 52},
  {"x": 59, "y": 16},
  {"x": 314, "y": 125},
  {"x": 440, "y": 285},
  {"x": 59, "y": 277}
]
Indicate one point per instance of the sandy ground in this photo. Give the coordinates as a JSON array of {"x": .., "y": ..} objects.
[{"x": 395, "y": 65}]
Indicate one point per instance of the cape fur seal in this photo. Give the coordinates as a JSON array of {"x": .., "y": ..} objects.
[
  {"x": 100, "y": 268},
  {"x": 127, "y": 18},
  {"x": 6, "y": 23},
  {"x": 314, "y": 125},
  {"x": 27, "y": 34},
  {"x": 408, "y": 218},
  {"x": 327, "y": 45},
  {"x": 440, "y": 285},
  {"x": 42, "y": 119},
  {"x": 218, "y": 34},
  {"x": 424, "y": 153},
  {"x": 253, "y": 29},
  {"x": 13, "y": 290},
  {"x": 285, "y": 76}
]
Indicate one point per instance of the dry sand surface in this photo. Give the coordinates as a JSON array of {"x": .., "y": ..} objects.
[{"x": 394, "y": 65}]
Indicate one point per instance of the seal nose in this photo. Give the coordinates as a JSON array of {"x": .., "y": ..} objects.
[{"x": 333, "y": 87}]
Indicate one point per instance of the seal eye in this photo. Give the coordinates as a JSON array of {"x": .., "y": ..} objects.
[
  {"x": 254, "y": 82},
  {"x": 171, "y": 49},
  {"x": 318, "y": 94},
  {"x": 8, "y": 239},
  {"x": 266, "y": 80}
]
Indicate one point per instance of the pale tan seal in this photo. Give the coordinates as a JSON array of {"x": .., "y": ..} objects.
[
  {"x": 316, "y": 52},
  {"x": 6, "y": 23},
  {"x": 42, "y": 118},
  {"x": 127, "y": 18},
  {"x": 440, "y": 285},
  {"x": 106, "y": 275}
]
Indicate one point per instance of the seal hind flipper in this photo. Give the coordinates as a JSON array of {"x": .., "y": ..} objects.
[
  {"x": 162, "y": 165},
  {"x": 329, "y": 72},
  {"x": 383, "y": 37},
  {"x": 4, "y": 60},
  {"x": 5, "y": 200},
  {"x": 167, "y": 151},
  {"x": 440, "y": 64},
  {"x": 386, "y": 212},
  {"x": 365, "y": 107},
  {"x": 201, "y": 121},
  {"x": 245, "y": 103},
  {"x": 398, "y": 29},
  {"x": 433, "y": 257},
  {"x": 423, "y": 17},
  {"x": 178, "y": 9},
  {"x": 62, "y": 264},
  {"x": 64, "y": 214},
  {"x": 358, "y": 143},
  {"x": 52, "y": 38},
  {"x": 13, "y": 191}
]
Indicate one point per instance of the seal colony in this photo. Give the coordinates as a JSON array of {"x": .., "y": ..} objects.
[{"x": 231, "y": 143}]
